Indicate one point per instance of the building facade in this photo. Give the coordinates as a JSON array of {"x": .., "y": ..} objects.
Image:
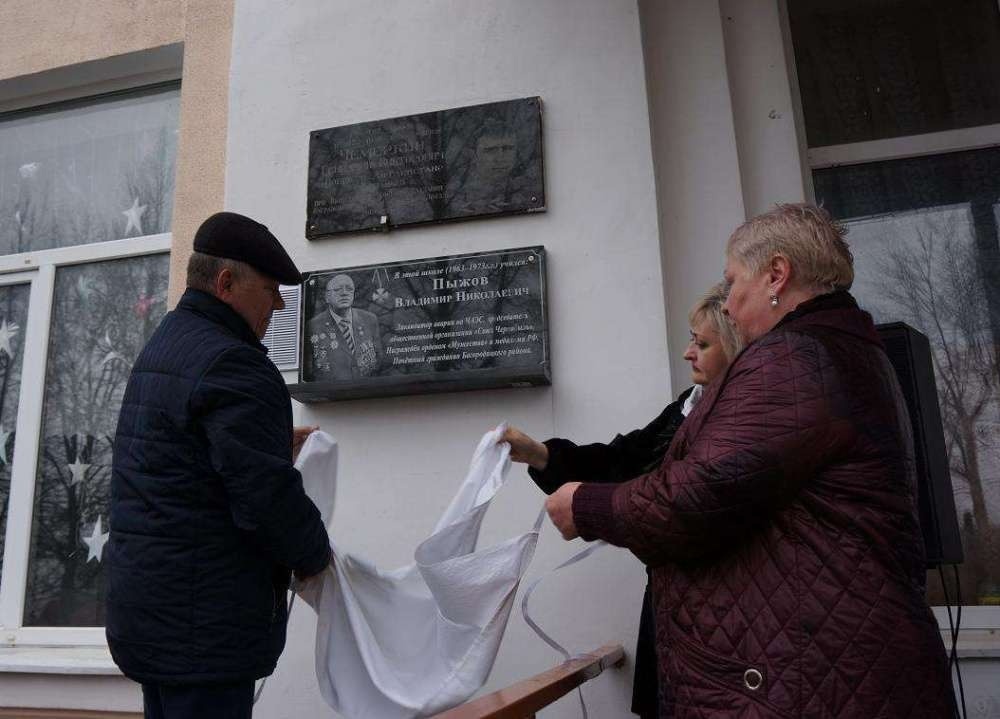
[{"x": 666, "y": 123}]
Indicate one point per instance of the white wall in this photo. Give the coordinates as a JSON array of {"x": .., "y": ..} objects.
[
  {"x": 764, "y": 111},
  {"x": 694, "y": 148},
  {"x": 310, "y": 64}
]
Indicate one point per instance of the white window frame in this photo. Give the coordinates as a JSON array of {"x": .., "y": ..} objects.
[
  {"x": 41, "y": 274},
  {"x": 62, "y": 650},
  {"x": 982, "y": 621}
]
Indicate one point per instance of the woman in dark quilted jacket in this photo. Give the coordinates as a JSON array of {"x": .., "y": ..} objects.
[
  {"x": 781, "y": 529},
  {"x": 714, "y": 344}
]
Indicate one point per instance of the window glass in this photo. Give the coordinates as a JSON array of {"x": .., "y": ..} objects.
[
  {"x": 872, "y": 69},
  {"x": 924, "y": 236},
  {"x": 102, "y": 315},
  {"x": 13, "y": 318},
  {"x": 88, "y": 171}
]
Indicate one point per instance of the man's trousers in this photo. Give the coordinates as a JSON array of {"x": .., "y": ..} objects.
[{"x": 198, "y": 701}]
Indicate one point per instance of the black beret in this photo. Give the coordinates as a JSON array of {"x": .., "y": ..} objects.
[{"x": 236, "y": 237}]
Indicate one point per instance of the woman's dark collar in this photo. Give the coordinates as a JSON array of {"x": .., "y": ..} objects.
[{"x": 837, "y": 300}]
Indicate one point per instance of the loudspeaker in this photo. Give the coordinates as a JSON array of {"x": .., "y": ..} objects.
[{"x": 910, "y": 354}]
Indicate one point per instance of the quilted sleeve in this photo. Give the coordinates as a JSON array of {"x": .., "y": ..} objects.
[
  {"x": 625, "y": 457},
  {"x": 780, "y": 415},
  {"x": 242, "y": 406}
]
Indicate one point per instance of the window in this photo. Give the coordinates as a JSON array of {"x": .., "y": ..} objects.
[
  {"x": 86, "y": 190},
  {"x": 901, "y": 102}
]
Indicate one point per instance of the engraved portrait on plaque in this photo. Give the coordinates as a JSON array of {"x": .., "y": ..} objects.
[
  {"x": 447, "y": 165},
  {"x": 470, "y": 321}
]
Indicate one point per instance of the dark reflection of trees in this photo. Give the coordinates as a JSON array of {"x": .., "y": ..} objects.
[
  {"x": 68, "y": 190},
  {"x": 933, "y": 282},
  {"x": 102, "y": 315},
  {"x": 151, "y": 179}
]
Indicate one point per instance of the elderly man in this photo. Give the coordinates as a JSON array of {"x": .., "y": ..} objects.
[
  {"x": 208, "y": 515},
  {"x": 343, "y": 341}
]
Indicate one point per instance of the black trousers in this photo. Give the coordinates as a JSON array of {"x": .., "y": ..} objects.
[
  {"x": 198, "y": 701},
  {"x": 646, "y": 684}
]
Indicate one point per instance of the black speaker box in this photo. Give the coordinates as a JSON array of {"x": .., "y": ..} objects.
[{"x": 910, "y": 354}]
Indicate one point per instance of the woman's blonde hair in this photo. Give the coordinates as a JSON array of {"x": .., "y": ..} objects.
[
  {"x": 807, "y": 235},
  {"x": 709, "y": 309}
]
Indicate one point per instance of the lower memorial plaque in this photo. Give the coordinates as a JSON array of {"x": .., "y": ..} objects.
[{"x": 443, "y": 324}]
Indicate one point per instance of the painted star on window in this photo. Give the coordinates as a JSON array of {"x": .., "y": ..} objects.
[
  {"x": 8, "y": 330},
  {"x": 134, "y": 217},
  {"x": 4, "y": 434},
  {"x": 96, "y": 541},
  {"x": 79, "y": 471}
]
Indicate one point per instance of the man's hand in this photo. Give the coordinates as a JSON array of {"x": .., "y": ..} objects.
[
  {"x": 524, "y": 449},
  {"x": 559, "y": 505},
  {"x": 299, "y": 435}
]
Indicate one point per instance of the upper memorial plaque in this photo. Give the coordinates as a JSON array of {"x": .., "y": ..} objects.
[{"x": 446, "y": 165}]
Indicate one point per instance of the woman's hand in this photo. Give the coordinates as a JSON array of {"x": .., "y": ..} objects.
[
  {"x": 299, "y": 436},
  {"x": 559, "y": 505},
  {"x": 524, "y": 449}
]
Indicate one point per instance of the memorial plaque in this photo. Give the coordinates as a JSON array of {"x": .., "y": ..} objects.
[
  {"x": 452, "y": 323},
  {"x": 446, "y": 165}
]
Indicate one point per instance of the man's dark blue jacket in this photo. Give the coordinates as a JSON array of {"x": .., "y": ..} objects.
[{"x": 208, "y": 516}]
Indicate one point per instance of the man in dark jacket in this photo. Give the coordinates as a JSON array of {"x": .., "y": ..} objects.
[{"x": 208, "y": 515}]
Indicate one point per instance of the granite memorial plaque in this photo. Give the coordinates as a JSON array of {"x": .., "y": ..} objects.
[
  {"x": 446, "y": 165},
  {"x": 461, "y": 322}
]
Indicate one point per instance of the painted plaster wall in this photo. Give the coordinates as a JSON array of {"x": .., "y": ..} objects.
[
  {"x": 694, "y": 149},
  {"x": 304, "y": 65}
]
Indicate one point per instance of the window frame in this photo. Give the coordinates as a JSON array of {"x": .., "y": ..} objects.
[
  {"x": 982, "y": 620},
  {"x": 43, "y": 265},
  {"x": 73, "y": 650}
]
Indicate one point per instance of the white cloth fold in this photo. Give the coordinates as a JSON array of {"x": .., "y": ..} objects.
[
  {"x": 692, "y": 399},
  {"x": 419, "y": 639}
]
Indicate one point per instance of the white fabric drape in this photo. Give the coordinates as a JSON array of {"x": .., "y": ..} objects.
[{"x": 419, "y": 639}]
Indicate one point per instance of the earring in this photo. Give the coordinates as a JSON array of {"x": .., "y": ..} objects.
[{"x": 774, "y": 300}]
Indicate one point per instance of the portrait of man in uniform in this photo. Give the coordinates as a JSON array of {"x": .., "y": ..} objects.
[{"x": 342, "y": 342}]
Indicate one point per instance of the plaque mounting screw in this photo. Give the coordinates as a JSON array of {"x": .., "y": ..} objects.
[
  {"x": 534, "y": 199},
  {"x": 312, "y": 228}
]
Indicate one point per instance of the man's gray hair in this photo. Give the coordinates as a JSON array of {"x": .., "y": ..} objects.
[{"x": 203, "y": 269}]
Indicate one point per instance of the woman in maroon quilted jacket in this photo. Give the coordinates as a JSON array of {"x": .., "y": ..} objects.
[{"x": 781, "y": 528}]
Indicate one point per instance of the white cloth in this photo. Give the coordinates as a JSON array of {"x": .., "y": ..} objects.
[
  {"x": 692, "y": 399},
  {"x": 422, "y": 638}
]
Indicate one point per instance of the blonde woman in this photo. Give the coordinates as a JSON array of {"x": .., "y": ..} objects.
[{"x": 552, "y": 463}]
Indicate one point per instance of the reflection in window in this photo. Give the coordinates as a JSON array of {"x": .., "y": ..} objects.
[
  {"x": 924, "y": 235},
  {"x": 13, "y": 318},
  {"x": 102, "y": 315},
  {"x": 872, "y": 69},
  {"x": 91, "y": 171}
]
